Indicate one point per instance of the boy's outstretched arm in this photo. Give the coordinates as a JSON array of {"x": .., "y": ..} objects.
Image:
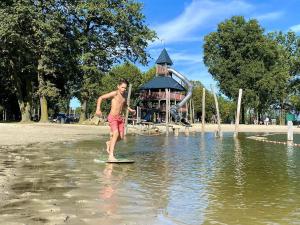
[
  {"x": 103, "y": 97},
  {"x": 130, "y": 109}
]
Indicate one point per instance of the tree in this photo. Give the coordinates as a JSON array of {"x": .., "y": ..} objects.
[
  {"x": 108, "y": 32},
  {"x": 34, "y": 42},
  {"x": 49, "y": 25},
  {"x": 289, "y": 45},
  {"x": 17, "y": 52},
  {"x": 239, "y": 55},
  {"x": 149, "y": 75},
  {"x": 226, "y": 106}
]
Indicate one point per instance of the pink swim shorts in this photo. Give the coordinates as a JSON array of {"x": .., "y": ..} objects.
[{"x": 116, "y": 122}]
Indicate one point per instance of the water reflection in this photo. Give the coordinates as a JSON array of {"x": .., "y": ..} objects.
[{"x": 239, "y": 164}]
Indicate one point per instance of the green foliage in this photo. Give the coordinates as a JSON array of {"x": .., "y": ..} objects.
[
  {"x": 59, "y": 48},
  {"x": 295, "y": 101},
  {"x": 240, "y": 55},
  {"x": 107, "y": 32},
  {"x": 227, "y": 107},
  {"x": 149, "y": 74},
  {"x": 126, "y": 71}
]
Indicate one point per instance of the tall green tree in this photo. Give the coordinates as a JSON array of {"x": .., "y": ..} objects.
[
  {"x": 108, "y": 32},
  {"x": 289, "y": 44},
  {"x": 240, "y": 55},
  {"x": 49, "y": 27},
  {"x": 34, "y": 39},
  {"x": 17, "y": 52}
]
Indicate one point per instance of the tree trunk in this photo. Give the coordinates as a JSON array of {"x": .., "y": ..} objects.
[
  {"x": 281, "y": 118},
  {"x": 43, "y": 100},
  {"x": 83, "y": 111},
  {"x": 44, "y": 110},
  {"x": 24, "y": 97},
  {"x": 259, "y": 114},
  {"x": 25, "y": 108}
]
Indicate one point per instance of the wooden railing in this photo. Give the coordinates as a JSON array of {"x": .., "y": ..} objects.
[
  {"x": 162, "y": 108},
  {"x": 161, "y": 95}
]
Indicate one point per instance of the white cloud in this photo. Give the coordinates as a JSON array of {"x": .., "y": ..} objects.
[
  {"x": 270, "y": 16},
  {"x": 179, "y": 57},
  {"x": 198, "y": 13},
  {"x": 295, "y": 28}
]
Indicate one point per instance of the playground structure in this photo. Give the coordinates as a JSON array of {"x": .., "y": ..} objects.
[{"x": 162, "y": 98}]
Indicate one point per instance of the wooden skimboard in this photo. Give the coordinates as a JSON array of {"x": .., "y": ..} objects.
[{"x": 122, "y": 160}]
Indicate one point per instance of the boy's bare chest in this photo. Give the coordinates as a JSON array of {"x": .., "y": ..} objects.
[{"x": 119, "y": 100}]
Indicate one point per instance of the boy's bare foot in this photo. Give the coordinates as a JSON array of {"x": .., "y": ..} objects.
[
  {"x": 107, "y": 146},
  {"x": 112, "y": 159}
]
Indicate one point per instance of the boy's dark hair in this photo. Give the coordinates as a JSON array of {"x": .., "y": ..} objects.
[{"x": 123, "y": 81}]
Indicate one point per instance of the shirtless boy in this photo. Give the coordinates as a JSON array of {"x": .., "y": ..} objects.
[{"x": 116, "y": 121}]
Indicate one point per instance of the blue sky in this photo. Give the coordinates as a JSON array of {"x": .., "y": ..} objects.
[{"x": 182, "y": 24}]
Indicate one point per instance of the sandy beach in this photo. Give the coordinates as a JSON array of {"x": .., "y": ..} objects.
[{"x": 23, "y": 134}]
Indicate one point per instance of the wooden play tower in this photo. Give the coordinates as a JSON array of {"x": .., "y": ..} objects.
[{"x": 160, "y": 93}]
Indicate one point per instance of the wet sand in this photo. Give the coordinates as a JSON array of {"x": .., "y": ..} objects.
[
  {"x": 25, "y": 134},
  {"x": 12, "y": 134}
]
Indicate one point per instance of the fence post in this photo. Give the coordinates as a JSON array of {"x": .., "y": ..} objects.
[
  {"x": 237, "y": 119},
  {"x": 127, "y": 111}
]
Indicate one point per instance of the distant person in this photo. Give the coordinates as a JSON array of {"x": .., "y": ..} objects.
[
  {"x": 158, "y": 119},
  {"x": 116, "y": 121},
  {"x": 298, "y": 120},
  {"x": 267, "y": 120},
  {"x": 255, "y": 121}
]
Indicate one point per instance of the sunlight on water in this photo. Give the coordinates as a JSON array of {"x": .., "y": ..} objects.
[{"x": 175, "y": 180}]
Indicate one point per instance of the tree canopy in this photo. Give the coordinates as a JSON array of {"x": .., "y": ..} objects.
[
  {"x": 55, "y": 49},
  {"x": 240, "y": 55}
]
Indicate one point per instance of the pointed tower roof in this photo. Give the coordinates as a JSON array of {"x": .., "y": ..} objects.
[{"x": 164, "y": 58}]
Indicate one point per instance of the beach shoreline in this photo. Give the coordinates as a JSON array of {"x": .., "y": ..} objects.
[{"x": 15, "y": 134}]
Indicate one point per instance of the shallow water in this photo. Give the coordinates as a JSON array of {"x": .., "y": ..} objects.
[
  {"x": 176, "y": 180},
  {"x": 283, "y": 137}
]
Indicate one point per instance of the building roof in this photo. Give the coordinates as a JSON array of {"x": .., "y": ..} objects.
[
  {"x": 164, "y": 58},
  {"x": 162, "y": 82}
]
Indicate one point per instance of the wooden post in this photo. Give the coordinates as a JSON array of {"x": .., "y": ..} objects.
[
  {"x": 203, "y": 109},
  {"x": 219, "y": 134},
  {"x": 237, "y": 119},
  {"x": 138, "y": 114},
  {"x": 169, "y": 103},
  {"x": 193, "y": 109},
  {"x": 191, "y": 113},
  {"x": 290, "y": 136},
  {"x": 167, "y": 112},
  {"x": 187, "y": 111},
  {"x": 127, "y": 111}
]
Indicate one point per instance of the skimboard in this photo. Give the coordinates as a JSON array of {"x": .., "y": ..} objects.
[{"x": 122, "y": 160}]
